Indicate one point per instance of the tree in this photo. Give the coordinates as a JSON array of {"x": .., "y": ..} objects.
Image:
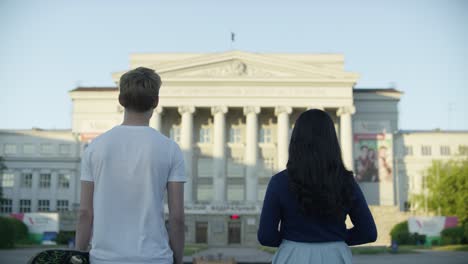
[{"x": 446, "y": 189}]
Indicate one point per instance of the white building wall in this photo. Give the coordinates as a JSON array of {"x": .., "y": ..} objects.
[
  {"x": 413, "y": 164},
  {"x": 51, "y": 152}
]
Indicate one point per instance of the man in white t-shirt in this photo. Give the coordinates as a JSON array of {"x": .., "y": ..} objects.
[{"x": 125, "y": 173}]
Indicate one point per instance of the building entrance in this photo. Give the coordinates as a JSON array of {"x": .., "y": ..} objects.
[
  {"x": 201, "y": 232},
  {"x": 234, "y": 232}
]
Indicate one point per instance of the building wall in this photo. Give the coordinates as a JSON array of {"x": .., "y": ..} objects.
[
  {"x": 42, "y": 167},
  {"x": 413, "y": 161},
  {"x": 376, "y": 117}
]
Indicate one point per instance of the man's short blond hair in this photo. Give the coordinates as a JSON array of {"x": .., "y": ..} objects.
[{"x": 139, "y": 89}]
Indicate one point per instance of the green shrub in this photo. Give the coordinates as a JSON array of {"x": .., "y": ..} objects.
[
  {"x": 20, "y": 230},
  {"x": 465, "y": 232},
  {"x": 453, "y": 235},
  {"x": 400, "y": 233},
  {"x": 64, "y": 236},
  {"x": 402, "y": 236},
  {"x": 7, "y": 235}
]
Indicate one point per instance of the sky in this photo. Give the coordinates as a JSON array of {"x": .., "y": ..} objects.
[{"x": 48, "y": 48}]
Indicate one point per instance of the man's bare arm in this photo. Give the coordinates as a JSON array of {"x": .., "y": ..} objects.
[
  {"x": 85, "y": 216},
  {"x": 175, "y": 199}
]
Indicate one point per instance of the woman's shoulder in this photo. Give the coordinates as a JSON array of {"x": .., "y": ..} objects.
[{"x": 279, "y": 179}]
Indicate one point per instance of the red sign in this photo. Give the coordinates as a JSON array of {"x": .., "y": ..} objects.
[{"x": 235, "y": 217}]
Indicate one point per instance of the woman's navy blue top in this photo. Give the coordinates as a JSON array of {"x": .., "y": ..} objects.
[{"x": 281, "y": 206}]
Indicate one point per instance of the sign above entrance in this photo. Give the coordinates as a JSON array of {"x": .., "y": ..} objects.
[{"x": 227, "y": 209}]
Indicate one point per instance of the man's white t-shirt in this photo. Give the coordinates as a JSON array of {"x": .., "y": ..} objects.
[{"x": 130, "y": 167}]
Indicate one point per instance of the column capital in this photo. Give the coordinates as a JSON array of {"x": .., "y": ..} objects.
[
  {"x": 159, "y": 110},
  {"x": 186, "y": 109},
  {"x": 283, "y": 109},
  {"x": 251, "y": 109},
  {"x": 219, "y": 109},
  {"x": 346, "y": 110}
]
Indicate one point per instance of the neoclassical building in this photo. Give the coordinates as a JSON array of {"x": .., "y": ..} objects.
[{"x": 232, "y": 114}]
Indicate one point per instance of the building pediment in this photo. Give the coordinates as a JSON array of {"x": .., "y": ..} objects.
[
  {"x": 233, "y": 68},
  {"x": 236, "y": 65}
]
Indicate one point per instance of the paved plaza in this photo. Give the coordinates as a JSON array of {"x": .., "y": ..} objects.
[{"x": 249, "y": 255}]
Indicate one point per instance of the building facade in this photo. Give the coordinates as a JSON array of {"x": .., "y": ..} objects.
[
  {"x": 42, "y": 169},
  {"x": 415, "y": 152},
  {"x": 232, "y": 114}
]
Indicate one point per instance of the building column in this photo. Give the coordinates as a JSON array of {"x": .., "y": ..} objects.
[
  {"x": 219, "y": 154},
  {"x": 16, "y": 194},
  {"x": 251, "y": 153},
  {"x": 74, "y": 201},
  {"x": 282, "y": 113},
  {"x": 156, "y": 118},
  {"x": 186, "y": 142},
  {"x": 53, "y": 191},
  {"x": 34, "y": 190},
  {"x": 346, "y": 135}
]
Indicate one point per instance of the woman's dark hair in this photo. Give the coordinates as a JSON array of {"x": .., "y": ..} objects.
[{"x": 317, "y": 176}]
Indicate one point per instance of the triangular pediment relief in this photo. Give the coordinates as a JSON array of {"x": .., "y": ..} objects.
[
  {"x": 238, "y": 64},
  {"x": 234, "y": 68},
  {"x": 244, "y": 65}
]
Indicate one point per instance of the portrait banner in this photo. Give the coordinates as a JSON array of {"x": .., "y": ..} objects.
[{"x": 373, "y": 157}]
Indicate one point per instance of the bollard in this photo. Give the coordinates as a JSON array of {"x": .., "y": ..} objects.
[
  {"x": 71, "y": 243},
  {"x": 394, "y": 247}
]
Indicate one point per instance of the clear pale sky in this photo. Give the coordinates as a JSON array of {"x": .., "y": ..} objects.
[{"x": 49, "y": 47}]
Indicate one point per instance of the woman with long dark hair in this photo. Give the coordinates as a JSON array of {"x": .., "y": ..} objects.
[{"x": 306, "y": 205}]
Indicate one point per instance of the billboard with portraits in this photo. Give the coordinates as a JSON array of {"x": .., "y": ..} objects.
[
  {"x": 373, "y": 151},
  {"x": 373, "y": 157}
]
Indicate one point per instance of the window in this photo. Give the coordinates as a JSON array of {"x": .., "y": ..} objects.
[
  {"x": 44, "y": 180},
  {"x": 174, "y": 134},
  {"x": 463, "y": 150},
  {"x": 268, "y": 167},
  {"x": 64, "y": 149},
  {"x": 10, "y": 149},
  {"x": 6, "y": 206},
  {"x": 26, "y": 180},
  {"x": 235, "y": 192},
  {"x": 204, "y": 193},
  {"x": 445, "y": 150},
  {"x": 25, "y": 206},
  {"x": 235, "y": 135},
  {"x": 28, "y": 149},
  {"x": 235, "y": 167},
  {"x": 8, "y": 180},
  {"x": 265, "y": 135},
  {"x": 426, "y": 150},
  {"x": 205, "y": 135},
  {"x": 63, "y": 181},
  {"x": 269, "y": 163},
  {"x": 43, "y": 206},
  {"x": 408, "y": 150},
  {"x": 205, "y": 167},
  {"x": 47, "y": 148},
  {"x": 62, "y": 205}
]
